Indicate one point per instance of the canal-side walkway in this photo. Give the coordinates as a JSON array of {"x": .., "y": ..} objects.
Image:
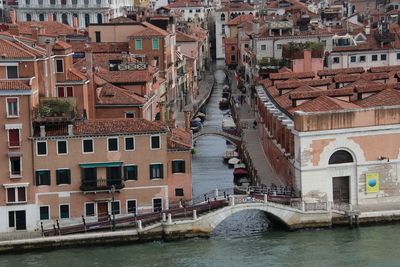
[
  {"x": 205, "y": 87},
  {"x": 253, "y": 151}
]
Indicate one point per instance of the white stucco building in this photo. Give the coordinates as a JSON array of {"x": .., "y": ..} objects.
[{"x": 87, "y": 11}]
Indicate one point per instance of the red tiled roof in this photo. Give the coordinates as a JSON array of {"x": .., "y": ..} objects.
[
  {"x": 340, "y": 71},
  {"x": 385, "y": 69},
  {"x": 183, "y": 37},
  {"x": 387, "y": 97},
  {"x": 317, "y": 93},
  {"x": 284, "y": 100},
  {"x": 128, "y": 76},
  {"x": 295, "y": 84},
  {"x": 240, "y": 19},
  {"x": 179, "y": 139},
  {"x": 369, "y": 88},
  {"x": 73, "y": 75},
  {"x": 49, "y": 27},
  {"x": 13, "y": 85},
  {"x": 100, "y": 47},
  {"x": 289, "y": 75},
  {"x": 117, "y": 126},
  {"x": 343, "y": 78},
  {"x": 9, "y": 49},
  {"x": 323, "y": 103},
  {"x": 61, "y": 45},
  {"x": 150, "y": 30},
  {"x": 185, "y": 3}
]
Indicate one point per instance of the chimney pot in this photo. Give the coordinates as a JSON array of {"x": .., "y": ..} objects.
[{"x": 42, "y": 131}]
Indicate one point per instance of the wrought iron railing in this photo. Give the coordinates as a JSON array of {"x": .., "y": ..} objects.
[{"x": 101, "y": 184}]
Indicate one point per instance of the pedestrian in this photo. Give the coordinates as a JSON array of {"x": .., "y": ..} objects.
[{"x": 254, "y": 124}]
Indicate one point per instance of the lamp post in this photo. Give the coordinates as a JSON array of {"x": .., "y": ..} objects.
[{"x": 112, "y": 208}]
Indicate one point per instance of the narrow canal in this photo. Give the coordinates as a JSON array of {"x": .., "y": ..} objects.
[{"x": 243, "y": 239}]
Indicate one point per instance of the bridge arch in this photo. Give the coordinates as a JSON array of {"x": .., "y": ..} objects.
[
  {"x": 236, "y": 140},
  {"x": 278, "y": 214}
]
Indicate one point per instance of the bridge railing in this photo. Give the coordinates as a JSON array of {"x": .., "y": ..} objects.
[{"x": 212, "y": 195}]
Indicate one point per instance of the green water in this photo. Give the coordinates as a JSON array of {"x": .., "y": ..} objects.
[{"x": 368, "y": 246}]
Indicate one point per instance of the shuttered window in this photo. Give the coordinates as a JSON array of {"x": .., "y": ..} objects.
[{"x": 13, "y": 138}]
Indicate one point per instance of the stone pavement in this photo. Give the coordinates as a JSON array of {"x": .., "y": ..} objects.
[
  {"x": 204, "y": 87},
  {"x": 253, "y": 150}
]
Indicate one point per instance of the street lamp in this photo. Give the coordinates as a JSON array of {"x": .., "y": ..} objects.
[{"x": 112, "y": 208}]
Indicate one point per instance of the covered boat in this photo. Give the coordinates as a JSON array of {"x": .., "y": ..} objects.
[
  {"x": 233, "y": 161},
  {"x": 229, "y": 154},
  {"x": 228, "y": 124},
  {"x": 239, "y": 173},
  {"x": 224, "y": 103}
]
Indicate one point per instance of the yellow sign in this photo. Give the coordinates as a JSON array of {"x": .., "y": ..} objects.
[{"x": 372, "y": 182}]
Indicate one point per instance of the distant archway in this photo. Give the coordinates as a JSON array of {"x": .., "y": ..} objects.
[{"x": 340, "y": 156}]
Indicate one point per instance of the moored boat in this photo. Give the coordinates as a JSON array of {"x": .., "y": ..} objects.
[
  {"x": 229, "y": 154},
  {"x": 224, "y": 103},
  {"x": 233, "y": 161}
]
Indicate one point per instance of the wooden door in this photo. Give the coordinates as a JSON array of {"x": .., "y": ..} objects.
[
  {"x": 341, "y": 189},
  {"x": 20, "y": 220},
  {"x": 102, "y": 211}
]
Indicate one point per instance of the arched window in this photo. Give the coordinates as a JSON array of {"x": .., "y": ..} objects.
[
  {"x": 41, "y": 17},
  {"x": 341, "y": 156},
  {"x": 222, "y": 17},
  {"x": 28, "y": 17},
  {"x": 54, "y": 17},
  {"x": 64, "y": 18},
  {"x": 87, "y": 20}
]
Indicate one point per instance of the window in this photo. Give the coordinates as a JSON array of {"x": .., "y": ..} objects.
[
  {"x": 87, "y": 146},
  {"x": 278, "y": 46},
  {"x": 232, "y": 48},
  {"x": 12, "y": 107},
  {"x": 41, "y": 17},
  {"x": 17, "y": 219},
  {"x": 87, "y": 21},
  {"x": 223, "y": 29},
  {"x": 41, "y": 148},
  {"x": 44, "y": 213},
  {"x": 341, "y": 156},
  {"x": 28, "y": 17},
  {"x": 99, "y": 19},
  {"x": 112, "y": 144},
  {"x": 15, "y": 166},
  {"x": 131, "y": 206},
  {"x": 222, "y": 17},
  {"x": 263, "y": 47},
  {"x": 62, "y": 147},
  {"x": 115, "y": 207},
  {"x": 27, "y": 2},
  {"x": 155, "y": 142},
  {"x": 16, "y": 194},
  {"x": 246, "y": 45},
  {"x": 89, "y": 209},
  {"x": 131, "y": 172},
  {"x": 64, "y": 211},
  {"x": 98, "y": 37},
  {"x": 362, "y": 58},
  {"x": 65, "y": 91},
  {"x": 64, "y": 19},
  {"x": 63, "y": 176},
  {"x": 13, "y": 138},
  {"x": 353, "y": 59},
  {"x": 190, "y": 11},
  {"x": 59, "y": 65},
  {"x": 233, "y": 58},
  {"x": 156, "y": 171},
  {"x": 52, "y": 2},
  {"x": 74, "y": 2},
  {"x": 138, "y": 44},
  {"x": 157, "y": 205},
  {"x": 12, "y": 72},
  {"x": 129, "y": 143},
  {"x": 178, "y": 166},
  {"x": 179, "y": 192},
  {"x": 129, "y": 115},
  {"x": 336, "y": 60},
  {"x": 155, "y": 44},
  {"x": 43, "y": 177},
  {"x": 383, "y": 57},
  {"x": 374, "y": 57}
]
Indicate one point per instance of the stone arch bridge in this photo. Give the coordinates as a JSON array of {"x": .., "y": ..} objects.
[{"x": 235, "y": 139}]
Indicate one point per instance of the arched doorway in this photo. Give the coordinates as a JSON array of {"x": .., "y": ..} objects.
[{"x": 342, "y": 162}]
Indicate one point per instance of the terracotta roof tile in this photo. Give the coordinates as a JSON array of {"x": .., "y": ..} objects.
[
  {"x": 388, "y": 97},
  {"x": 150, "y": 30},
  {"x": 49, "y": 27},
  {"x": 284, "y": 100},
  {"x": 318, "y": 93},
  {"x": 128, "y": 76},
  {"x": 183, "y": 37},
  {"x": 240, "y": 19},
  {"x": 295, "y": 84},
  {"x": 340, "y": 71},
  {"x": 323, "y": 103},
  {"x": 9, "y": 49},
  {"x": 179, "y": 139},
  {"x": 73, "y": 75},
  {"x": 288, "y": 75},
  {"x": 385, "y": 69},
  {"x": 13, "y": 85},
  {"x": 343, "y": 78}
]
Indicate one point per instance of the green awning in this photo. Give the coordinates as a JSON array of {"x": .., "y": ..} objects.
[{"x": 100, "y": 164}]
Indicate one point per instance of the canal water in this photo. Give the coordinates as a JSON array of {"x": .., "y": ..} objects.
[{"x": 244, "y": 239}]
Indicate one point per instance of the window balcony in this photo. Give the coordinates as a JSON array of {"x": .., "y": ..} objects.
[{"x": 101, "y": 184}]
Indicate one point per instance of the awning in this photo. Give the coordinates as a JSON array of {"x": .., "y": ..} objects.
[
  {"x": 100, "y": 164},
  {"x": 14, "y": 154},
  {"x": 13, "y": 126}
]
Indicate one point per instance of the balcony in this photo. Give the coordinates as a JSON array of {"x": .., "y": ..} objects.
[{"x": 101, "y": 184}]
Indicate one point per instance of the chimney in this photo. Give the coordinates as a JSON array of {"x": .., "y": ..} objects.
[
  {"x": 42, "y": 131},
  {"x": 307, "y": 60},
  {"x": 173, "y": 28},
  {"x": 187, "y": 121},
  {"x": 70, "y": 130},
  {"x": 256, "y": 26},
  {"x": 49, "y": 16},
  {"x": 367, "y": 29},
  {"x": 13, "y": 17},
  {"x": 75, "y": 24},
  {"x": 90, "y": 76},
  {"x": 35, "y": 32}
]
